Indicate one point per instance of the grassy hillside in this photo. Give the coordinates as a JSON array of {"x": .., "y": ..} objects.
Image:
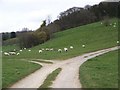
[
  {"x": 100, "y": 72},
  {"x": 95, "y": 36}
]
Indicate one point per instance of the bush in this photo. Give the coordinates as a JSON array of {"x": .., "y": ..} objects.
[
  {"x": 41, "y": 36},
  {"x": 27, "y": 40}
]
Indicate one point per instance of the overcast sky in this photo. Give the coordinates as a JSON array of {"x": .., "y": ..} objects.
[{"x": 17, "y": 14}]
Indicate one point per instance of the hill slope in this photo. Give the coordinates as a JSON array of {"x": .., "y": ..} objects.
[{"x": 94, "y": 36}]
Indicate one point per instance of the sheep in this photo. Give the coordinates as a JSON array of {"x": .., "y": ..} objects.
[
  {"x": 12, "y": 53},
  {"x": 110, "y": 24},
  {"x": 29, "y": 50},
  {"x": 117, "y": 42},
  {"x": 14, "y": 50},
  {"x": 1, "y": 51},
  {"x": 66, "y": 49},
  {"x": 47, "y": 49},
  {"x": 43, "y": 49},
  {"x": 114, "y": 25},
  {"x": 60, "y": 50},
  {"x": 40, "y": 51},
  {"x": 71, "y": 47},
  {"x": 20, "y": 50},
  {"x": 51, "y": 49},
  {"x": 83, "y": 46},
  {"x": 6, "y": 54},
  {"x": 25, "y": 48},
  {"x": 101, "y": 23},
  {"x": 18, "y": 54}
]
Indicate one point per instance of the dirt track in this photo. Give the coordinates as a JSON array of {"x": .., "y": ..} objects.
[{"x": 68, "y": 77}]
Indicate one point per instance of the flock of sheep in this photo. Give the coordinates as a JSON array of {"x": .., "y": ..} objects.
[
  {"x": 39, "y": 51},
  {"x": 48, "y": 49},
  {"x": 114, "y": 24}
]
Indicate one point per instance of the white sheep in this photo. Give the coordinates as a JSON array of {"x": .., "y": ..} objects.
[
  {"x": 101, "y": 23},
  {"x": 114, "y": 25},
  {"x": 12, "y": 53},
  {"x": 43, "y": 49},
  {"x": 66, "y": 49},
  {"x": 14, "y": 50},
  {"x": 110, "y": 24},
  {"x": 71, "y": 47},
  {"x": 40, "y": 51},
  {"x": 60, "y": 50},
  {"x": 47, "y": 49},
  {"x": 25, "y": 48},
  {"x": 7, "y": 54},
  {"x": 29, "y": 50},
  {"x": 20, "y": 50},
  {"x": 51, "y": 49},
  {"x": 117, "y": 42},
  {"x": 18, "y": 54},
  {"x": 83, "y": 46}
]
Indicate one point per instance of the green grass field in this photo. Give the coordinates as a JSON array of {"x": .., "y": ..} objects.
[
  {"x": 14, "y": 70},
  {"x": 95, "y": 36},
  {"x": 100, "y": 72}
]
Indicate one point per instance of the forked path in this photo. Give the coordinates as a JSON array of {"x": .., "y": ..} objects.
[{"x": 68, "y": 77}]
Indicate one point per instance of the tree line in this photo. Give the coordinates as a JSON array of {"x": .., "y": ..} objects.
[{"x": 78, "y": 16}]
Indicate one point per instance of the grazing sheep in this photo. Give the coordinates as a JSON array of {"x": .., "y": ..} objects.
[
  {"x": 101, "y": 23},
  {"x": 43, "y": 49},
  {"x": 47, "y": 49},
  {"x": 110, "y": 24},
  {"x": 14, "y": 50},
  {"x": 114, "y": 25},
  {"x": 20, "y": 50},
  {"x": 25, "y": 48},
  {"x": 6, "y": 54},
  {"x": 12, "y": 53},
  {"x": 51, "y": 49},
  {"x": 117, "y": 42},
  {"x": 29, "y": 50},
  {"x": 60, "y": 50},
  {"x": 71, "y": 47},
  {"x": 18, "y": 54},
  {"x": 1, "y": 51},
  {"x": 83, "y": 46},
  {"x": 40, "y": 51},
  {"x": 66, "y": 49}
]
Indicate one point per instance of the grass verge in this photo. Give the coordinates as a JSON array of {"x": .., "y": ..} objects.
[
  {"x": 100, "y": 72},
  {"x": 51, "y": 77},
  {"x": 48, "y": 62},
  {"x": 14, "y": 70}
]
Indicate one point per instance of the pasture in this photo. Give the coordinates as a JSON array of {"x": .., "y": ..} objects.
[
  {"x": 100, "y": 72},
  {"x": 94, "y": 36},
  {"x": 14, "y": 70}
]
